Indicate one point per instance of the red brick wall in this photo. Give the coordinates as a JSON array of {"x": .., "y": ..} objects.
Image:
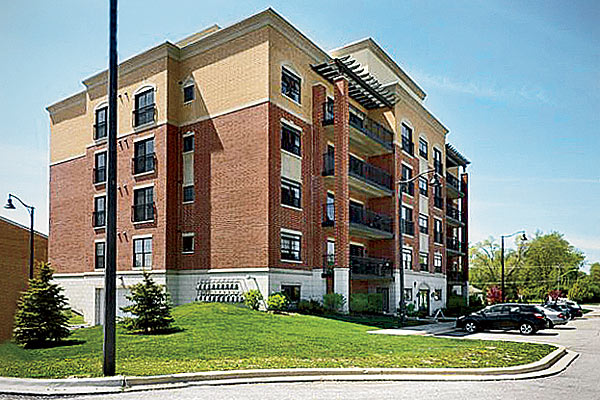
[
  {"x": 341, "y": 133},
  {"x": 14, "y": 269}
]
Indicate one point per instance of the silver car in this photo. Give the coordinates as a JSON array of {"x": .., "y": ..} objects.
[{"x": 554, "y": 317}]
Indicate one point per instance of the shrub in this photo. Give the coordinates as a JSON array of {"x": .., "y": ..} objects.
[
  {"x": 151, "y": 306},
  {"x": 278, "y": 302},
  {"x": 41, "y": 312},
  {"x": 333, "y": 302},
  {"x": 252, "y": 299},
  {"x": 370, "y": 303},
  {"x": 312, "y": 307},
  {"x": 494, "y": 295},
  {"x": 411, "y": 310}
]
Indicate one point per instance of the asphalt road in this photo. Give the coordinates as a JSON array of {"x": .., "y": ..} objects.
[{"x": 581, "y": 381}]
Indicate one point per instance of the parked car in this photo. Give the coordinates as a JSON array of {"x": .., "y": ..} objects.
[
  {"x": 554, "y": 317},
  {"x": 574, "y": 308},
  {"x": 560, "y": 308},
  {"x": 527, "y": 318}
]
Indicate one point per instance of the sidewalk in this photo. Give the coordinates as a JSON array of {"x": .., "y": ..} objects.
[{"x": 424, "y": 330}]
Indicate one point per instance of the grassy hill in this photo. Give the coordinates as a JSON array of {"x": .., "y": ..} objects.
[{"x": 225, "y": 337}]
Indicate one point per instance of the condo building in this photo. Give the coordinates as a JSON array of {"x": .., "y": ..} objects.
[{"x": 250, "y": 158}]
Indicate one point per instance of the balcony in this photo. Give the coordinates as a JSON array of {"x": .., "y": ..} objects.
[
  {"x": 143, "y": 212},
  {"x": 438, "y": 237},
  {"x": 143, "y": 164},
  {"x": 454, "y": 245},
  {"x": 454, "y": 215},
  {"x": 363, "y": 177},
  {"x": 408, "y": 227},
  {"x": 361, "y": 267},
  {"x": 453, "y": 186},
  {"x": 438, "y": 201},
  {"x": 408, "y": 188},
  {"x": 144, "y": 115},
  {"x": 454, "y": 276},
  {"x": 364, "y": 223},
  {"x": 366, "y": 134}
]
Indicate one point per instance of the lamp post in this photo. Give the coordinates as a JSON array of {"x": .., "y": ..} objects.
[
  {"x": 434, "y": 182},
  {"x": 502, "y": 256},
  {"x": 10, "y": 206}
]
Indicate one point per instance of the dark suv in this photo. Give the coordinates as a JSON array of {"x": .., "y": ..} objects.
[{"x": 527, "y": 318}]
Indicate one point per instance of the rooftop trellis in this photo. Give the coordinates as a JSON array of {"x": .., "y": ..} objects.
[{"x": 362, "y": 86}]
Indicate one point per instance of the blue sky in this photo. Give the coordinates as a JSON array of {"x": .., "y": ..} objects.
[{"x": 516, "y": 82}]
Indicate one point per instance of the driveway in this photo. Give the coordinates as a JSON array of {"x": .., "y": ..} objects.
[{"x": 580, "y": 381}]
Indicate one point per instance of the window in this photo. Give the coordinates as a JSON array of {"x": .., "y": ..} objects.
[
  {"x": 407, "y": 143},
  {"x": 100, "y": 126},
  {"x": 407, "y": 188},
  {"x": 408, "y": 227},
  {"x": 408, "y": 295},
  {"x": 188, "y": 193},
  {"x": 330, "y": 209},
  {"x": 292, "y": 292},
  {"x": 437, "y": 161},
  {"x": 437, "y": 262},
  {"x": 143, "y": 204},
  {"x": 407, "y": 258},
  {"x": 100, "y": 167},
  {"x": 423, "y": 223},
  {"x": 144, "y": 156},
  {"x": 142, "y": 253},
  {"x": 144, "y": 108},
  {"x": 188, "y": 143},
  {"x": 330, "y": 257},
  {"x": 357, "y": 251},
  {"x": 187, "y": 243},
  {"x": 99, "y": 258},
  {"x": 438, "y": 201},
  {"x": 423, "y": 186},
  {"x": 437, "y": 294},
  {"x": 291, "y": 193},
  {"x": 437, "y": 231},
  {"x": 290, "y": 85},
  {"x": 188, "y": 93},
  {"x": 290, "y": 247},
  {"x": 99, "y": 211},
  {"x": 290, "y": 140},
  {"x": 424, "y": 261},
  {"x": 423, "y": 151}
]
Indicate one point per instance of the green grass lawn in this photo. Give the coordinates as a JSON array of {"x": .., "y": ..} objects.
[
  {"x": 225, "y": 337},
  {"x": 75, "y": 319}
]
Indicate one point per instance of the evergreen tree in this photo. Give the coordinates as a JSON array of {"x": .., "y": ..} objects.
[
  {"x": 41, "y": 312},
  {"x": 151, "y": 307}
]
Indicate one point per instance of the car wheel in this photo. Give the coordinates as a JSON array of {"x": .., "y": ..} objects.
[
  {"x": 526, "y": 328},
  {"x": 470, "y": 327}
]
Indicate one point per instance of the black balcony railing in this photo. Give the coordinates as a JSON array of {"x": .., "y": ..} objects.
[
  {"x": 438, "y": 202},
  {"x": 370, "y": 173},
  {"x": 453, "y": 212},
  {"x": 408, "y": 227},
  {"x": 408, "y": 146},
  {"x": 438, "y": 167},
  {"x": 454, "y": 276},
  {"x": 143, "y": 212},
  {"x": 144, "y": 115},
  {"x": 365, "y": 125},
  {"x": 452, "y": 181},
  {"x": 98, "y": 218},
  {"x": 371, "y": 219},
  {"x": 371, "y": 266},
  {"x": 438, "y": 237},
  {"x": 453, "y": 243},
  {"x": 99, "y": 174},
  {"x": 408, "y": 188},
  {"x": 144, "y": 163}
]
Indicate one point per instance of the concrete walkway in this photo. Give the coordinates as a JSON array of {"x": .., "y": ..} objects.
[{"x": 424, "y": 330}]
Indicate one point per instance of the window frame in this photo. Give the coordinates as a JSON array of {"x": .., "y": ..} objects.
[
  {"x": 407, "y": 258},
  {"x": 292, "y": 76},
  {"x": 424, "y": 261},
  {"x": 97, "y": 169},
  {"x": 96, "y": 246},
  {"x": 147, "y": 110},
  {"x": 288, "y": 142},
  {"x": 193, "y": 198},
  {"x": 437, "y": 268},
  {"x": 284, "y": 289},
  {"x": 103, "y": 124},
  {"x": 193, "y": 92},
  {"x": 423, "y": 153},
  {"x": 144, "y": 253},
  {"x": 291, "y": 185},
  {"x": 184, "y": 236},
  {"x": 186, "y": 139},
  {"x": 98, "y": 212},
  {"x": 424, "y": 224},
  {"x": 147, "y": 160},
  {"x": 423, "y": 186},
  {"x": 285, "y": 252},
  {"x": 144, "y": 204}
]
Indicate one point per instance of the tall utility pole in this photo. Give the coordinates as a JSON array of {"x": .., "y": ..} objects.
[{"x": 110, "y": 269}]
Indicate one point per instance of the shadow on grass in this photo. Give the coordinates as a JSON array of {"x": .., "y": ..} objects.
[
  {"x": 377, "y": 321},
  {"x": 168, "y": 331},
  {"x": 51, "y": 344}
]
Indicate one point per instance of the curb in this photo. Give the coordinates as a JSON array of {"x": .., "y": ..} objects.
[{"x": 553, "y": 363}]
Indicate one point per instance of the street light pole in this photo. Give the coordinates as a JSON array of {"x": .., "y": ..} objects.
[
  {"x": 502, "y": 257},
  {"x": 110, "y": 269},
  {"x": 10, "y": 206},
  {"x": 401, "y": 183}
]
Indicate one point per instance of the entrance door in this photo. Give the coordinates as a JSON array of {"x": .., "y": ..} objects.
[
  {"x": 424, "y": 300},
  {"x": 385, "y": 299}
]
